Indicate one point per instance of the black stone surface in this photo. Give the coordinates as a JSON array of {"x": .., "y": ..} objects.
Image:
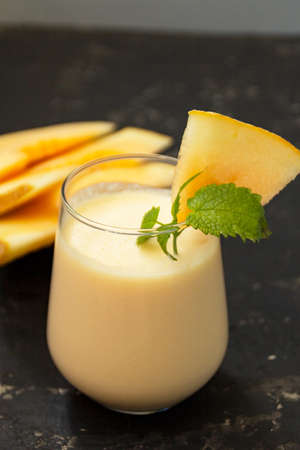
[{"x": 253, "y": 402}]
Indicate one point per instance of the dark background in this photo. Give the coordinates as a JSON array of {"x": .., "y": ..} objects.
[{"x": 253, "y": 402}]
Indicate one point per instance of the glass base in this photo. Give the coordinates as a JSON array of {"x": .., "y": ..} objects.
[{"x": 137, "y": 413}]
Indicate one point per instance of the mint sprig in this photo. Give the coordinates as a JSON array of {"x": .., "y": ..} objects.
[
  {"x": 228, "y": 210},
  {"x": 223, "y": 209},
  {"x": 165, "y": 230}
]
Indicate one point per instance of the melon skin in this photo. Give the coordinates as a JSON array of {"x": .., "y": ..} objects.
[{"x": 226, "y": 150}]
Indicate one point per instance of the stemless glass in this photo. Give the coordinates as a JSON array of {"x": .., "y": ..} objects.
[{"x": 128, "y": 326}]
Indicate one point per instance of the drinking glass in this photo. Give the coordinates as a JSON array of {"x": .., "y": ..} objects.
[{"x": 128, "y": 326}]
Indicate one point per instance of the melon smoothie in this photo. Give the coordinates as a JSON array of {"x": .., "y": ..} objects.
[
  {"x": 137, "y": 314},
  {"x": 127, "y": 325}
]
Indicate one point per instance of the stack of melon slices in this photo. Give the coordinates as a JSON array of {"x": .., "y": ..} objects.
[{"x": 34, "y": 163}]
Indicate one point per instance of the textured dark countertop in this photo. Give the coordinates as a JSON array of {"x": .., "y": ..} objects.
[{"x": 253, "y": 402}]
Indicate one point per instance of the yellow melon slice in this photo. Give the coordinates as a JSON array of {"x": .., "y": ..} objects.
[
  {"x": 127, "y": 140},
  {"x": 29, "y": 228},
  {"x": 226, "y": 150},
  {"x": 134, "y": 140},
  {"x": 43, "y": 176},
  {"x": 20, "y": 149},
  {"x": 27, "y": 186}
]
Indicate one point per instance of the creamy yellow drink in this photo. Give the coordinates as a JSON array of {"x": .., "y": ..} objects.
[{"x": 128, "y": 326}]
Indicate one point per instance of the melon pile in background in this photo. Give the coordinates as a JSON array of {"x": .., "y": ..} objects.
[{"x": 34, "y": 163}]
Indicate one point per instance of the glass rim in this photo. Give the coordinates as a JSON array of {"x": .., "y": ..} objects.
[{"x": 106, "y": 227}]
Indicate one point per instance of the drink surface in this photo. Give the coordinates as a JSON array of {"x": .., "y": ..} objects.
[
  {"x": 128, "y": 326},
  {"x": 119, "y": 252}
]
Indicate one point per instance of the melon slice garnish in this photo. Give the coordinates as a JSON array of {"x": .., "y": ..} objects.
[{"x": 226, "y": 150}]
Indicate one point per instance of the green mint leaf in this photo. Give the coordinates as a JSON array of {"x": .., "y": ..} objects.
[
  {"x": 149, "y": 220},
  {"x": 228, "y": 210},
  {"x": 141, "y": 239},
  {"x": 163, "y": 238},
  {"x": 176, "y": 235},
  {"x": 176, "y": 203}
]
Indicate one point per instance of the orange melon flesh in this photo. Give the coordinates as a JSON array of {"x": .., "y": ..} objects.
[
  {"x": 226, "y": 150},
  {"x": 27, "y": 186},
  {"x": 43, "y": 176},
  {"x": 132, "y": 140},
  {"x": 29, "y": 228},
  {"x": 126, "y": 140},
  {"x": 21, "y": 149}
]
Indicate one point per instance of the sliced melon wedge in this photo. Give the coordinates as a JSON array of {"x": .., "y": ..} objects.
[
  {"x": 29, "y": 228},
  {"x": 126, "y": 140},
  {"x": 20, "y": 149},
  {"x": 226, "y": 150},
  {"x": 45, "y": 175},
  {"x": 24, "y": 188}
]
